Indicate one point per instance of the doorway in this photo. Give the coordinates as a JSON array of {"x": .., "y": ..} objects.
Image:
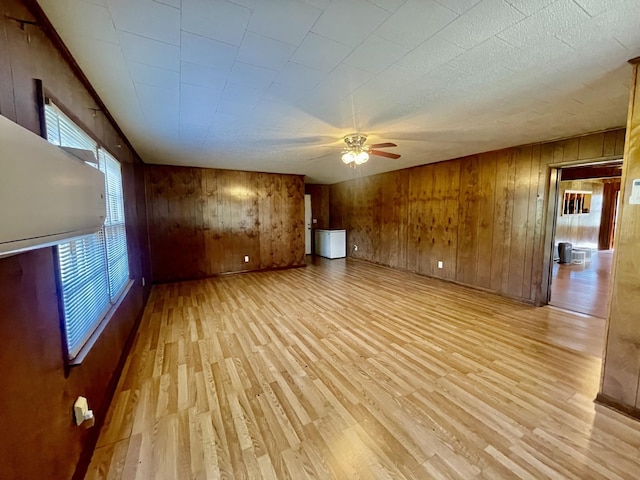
[{"x": 584, "y": 228}]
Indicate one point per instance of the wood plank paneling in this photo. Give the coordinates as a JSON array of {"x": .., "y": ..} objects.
[
  {"x": 483, "y": 216},
  {"x": 320, "y": 204},
  {"x": 591, "y": 146},
  {"x": 621, "y": 376},
  {"x": 293, "y": 209},
  {"x": 608, "y": 217},
  {"x": 592, "y": 171},
  {"x": 266, "y": 186},
  {"x": 320, "y": 209},
  {"x": 499, "y": 229},
  {"x": 179, "y": 222},
  {"x": 7, "y": 103},
  {"x": 467, "y": 257},
  {"x": 422, "y": 221},
  {"x": 31, "y": 357},
  {"x": 532, "y": 223},
  {"x": 203, "y": 222},
  {"x": 519, "y": 222},
  {"x": 508, "y": 197},
  {"x": 393, "y": 225},
  {"x": 447, "y": 191}
]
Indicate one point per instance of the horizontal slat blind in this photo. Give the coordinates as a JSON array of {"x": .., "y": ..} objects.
[
  {"x": 84, "y": 287},
  {"x": 62, "y": 131},
  {"x": 114, "y": 227},
  {"x": 93, "y": 269},
  {"x": 53, "y": 129}
]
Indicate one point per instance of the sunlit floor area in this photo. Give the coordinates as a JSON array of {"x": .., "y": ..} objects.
[
  {"x": 345, "y": 370},
  {"x": 583, "y": 287}
]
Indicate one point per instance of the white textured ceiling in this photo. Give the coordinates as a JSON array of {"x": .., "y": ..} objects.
[{"x": 273, "y": 85}]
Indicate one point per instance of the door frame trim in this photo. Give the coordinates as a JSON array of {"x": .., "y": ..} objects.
[{"x": 550, "y": 218}]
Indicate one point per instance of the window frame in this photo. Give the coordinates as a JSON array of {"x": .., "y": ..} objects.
[{"x": 115, "y": 298}]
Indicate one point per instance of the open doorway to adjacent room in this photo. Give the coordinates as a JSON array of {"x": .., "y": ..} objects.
[{"x": 585, "y": 223}]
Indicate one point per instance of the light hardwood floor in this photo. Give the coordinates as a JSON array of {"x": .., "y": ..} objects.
[
  {"x": 349, "y": 370},
  {"x": 584, "y": 288}
]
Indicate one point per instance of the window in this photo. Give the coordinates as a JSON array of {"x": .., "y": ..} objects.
[
  {"x": 576, "y": 202},
  {"x": 93, "y": 269}
]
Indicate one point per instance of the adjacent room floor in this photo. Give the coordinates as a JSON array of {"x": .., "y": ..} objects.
[
  {"x": 350, "y": 370},
  {"x": 584, "y": 287}
]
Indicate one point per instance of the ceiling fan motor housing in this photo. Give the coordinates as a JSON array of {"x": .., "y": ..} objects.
[{"x": 355, "y": 141}]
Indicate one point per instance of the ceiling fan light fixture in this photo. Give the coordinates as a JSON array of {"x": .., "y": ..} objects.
[
  {"x": 348, "y": 157},
  {"x": 356, "y": 152},
  {"x": 361, "y": 158}
]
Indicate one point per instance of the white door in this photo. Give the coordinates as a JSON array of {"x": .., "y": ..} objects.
[{"x": 307, "y": 224}]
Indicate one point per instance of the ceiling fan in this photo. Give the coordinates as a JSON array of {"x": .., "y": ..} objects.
[{"x": 356, "y": 153}]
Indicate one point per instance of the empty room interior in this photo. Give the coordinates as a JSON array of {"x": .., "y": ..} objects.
[{"x": 328, "y": 239}]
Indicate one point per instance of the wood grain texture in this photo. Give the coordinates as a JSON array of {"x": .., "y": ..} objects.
[
  {"x": 319, "y": 204},
  {"x": 621, "y": 377},
  {"x": 592, "y": 171},
  {"x": 608, "y": 218},
  {"x": 203, "y": 222},
  {"x": 31, "y": 357},
  {"x": 346, "y": 369},
  {"x": 584, "y": 229},
  {"x": 585, "y": 287},
  {"x": 320, "y": 209},
  {"x": 483, "y": 216}
]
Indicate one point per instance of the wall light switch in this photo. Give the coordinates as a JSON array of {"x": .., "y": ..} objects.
[
  {"x": 440, "y": 265},
  {"x": 315, "y": 220},
  {"x": 246, "y": 259}
]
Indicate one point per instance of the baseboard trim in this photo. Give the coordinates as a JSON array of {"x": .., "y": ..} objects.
[
  {"x": 609, "y": 402},
  {"x": 524, "y": 301},
  {"x": 226, "y": 274}
]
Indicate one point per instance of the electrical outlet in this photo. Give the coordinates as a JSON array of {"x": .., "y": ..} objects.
[
  {"x": 355, "y": 248},
  {"x": 82, "y": 413},
  {"x": 440, "y": 264},
  {"x": 246, "y": 259},
  {"x": 315, "y": 220}
]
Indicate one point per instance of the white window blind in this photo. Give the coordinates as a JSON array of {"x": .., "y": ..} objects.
[
  {"x": 85, "y": 292},
  {"x": 62, "y": 131},
  {"x": 114, "y": 228},
  {"x": 93, "y": 269}
]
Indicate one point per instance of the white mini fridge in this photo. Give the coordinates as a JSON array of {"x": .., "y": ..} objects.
[{"x": 331, "y": 243}]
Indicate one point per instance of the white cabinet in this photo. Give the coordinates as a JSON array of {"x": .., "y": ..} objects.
[{"x": 331, "y": 243}]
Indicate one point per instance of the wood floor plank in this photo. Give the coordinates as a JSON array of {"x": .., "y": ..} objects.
[
  {"x": 584, "y": 287},
  {"x": 345, "y": 370}
]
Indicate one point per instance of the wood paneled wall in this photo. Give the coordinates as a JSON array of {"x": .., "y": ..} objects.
[
  {"x": 203, "y": 222},
  {"x": 482, "y": 215},
  {"x": 581, "y": 230},
  {"x": 39, "y": 438},
  {"x": 319, "y": 209},
  {"x": 319, "y": 204},
  {"x": 621, "y": 374},
  {"x": 608, "y": 218}
]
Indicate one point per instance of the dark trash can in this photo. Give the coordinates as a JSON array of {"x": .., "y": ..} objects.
[{"x": 564, "y": 252}]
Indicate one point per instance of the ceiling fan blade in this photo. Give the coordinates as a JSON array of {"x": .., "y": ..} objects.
[
  {"x": 384, "y": 154},
  {"x": 323, "y": 156},
  {"x": 383, "y": 145}
]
